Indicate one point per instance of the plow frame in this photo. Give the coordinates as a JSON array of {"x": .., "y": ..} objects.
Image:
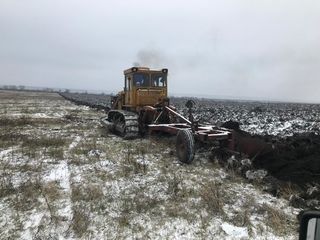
[
  {"x": 229, "y": 140},
  {"x": 201, "y": 133}
]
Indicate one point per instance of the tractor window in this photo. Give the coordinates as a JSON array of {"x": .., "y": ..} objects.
[
  {"x": 141, "y": 80},
  {"x": 159, "y": 80}
]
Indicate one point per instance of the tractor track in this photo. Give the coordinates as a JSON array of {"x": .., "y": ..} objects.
[{"x": 124, "y": 123}]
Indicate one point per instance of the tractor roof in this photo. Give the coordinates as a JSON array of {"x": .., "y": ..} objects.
[{"x": 145, "y": 69}]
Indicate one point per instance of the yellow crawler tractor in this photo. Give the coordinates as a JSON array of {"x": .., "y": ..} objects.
[{"x": 140, "y": 103}]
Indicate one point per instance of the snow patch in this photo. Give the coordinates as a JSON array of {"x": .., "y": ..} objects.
[
  {"x": 6, "y": 152},
  {"x": 61, "y": 174},
  {"x": 75, "y": 142},
  {"x": 235, "y": 232},
  {"x": 40, "y": 115}
]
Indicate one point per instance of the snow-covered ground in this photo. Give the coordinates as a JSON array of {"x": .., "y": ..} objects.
[{"x": 64, "y": 177}]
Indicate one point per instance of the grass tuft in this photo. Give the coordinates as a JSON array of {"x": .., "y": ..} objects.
[
  {"x": 276, "y": 219},
  {"x": 89, "y": 193},
  {"x": 15, "y": 122},
  {"x": 52, "y": 191},
  {"x": 27, "y": 195},
  {"x": 214, "y": 196},
  {"x": 44, "y": 142},
  {"x": 80, "y": 221}
]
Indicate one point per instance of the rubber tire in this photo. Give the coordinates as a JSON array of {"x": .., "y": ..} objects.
[{"x": 185, "y": 146}]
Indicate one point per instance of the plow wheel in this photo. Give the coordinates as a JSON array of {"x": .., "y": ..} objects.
[{"x": 185, "y": 146}]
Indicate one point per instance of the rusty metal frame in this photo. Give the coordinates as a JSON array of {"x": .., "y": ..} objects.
[{"x": 202, "y": 133}]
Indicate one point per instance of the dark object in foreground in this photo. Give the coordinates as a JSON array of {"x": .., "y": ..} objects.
[{"x": 310, "y": 225}]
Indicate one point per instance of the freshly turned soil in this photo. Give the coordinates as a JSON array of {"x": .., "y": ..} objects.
[{"x": 295, "y": 158}]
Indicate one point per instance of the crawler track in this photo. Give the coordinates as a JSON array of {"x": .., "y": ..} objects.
[{"x": 124, "y": 123}]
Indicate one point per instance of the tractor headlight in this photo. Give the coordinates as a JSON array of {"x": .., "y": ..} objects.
[{"x": 165, "y": 70}]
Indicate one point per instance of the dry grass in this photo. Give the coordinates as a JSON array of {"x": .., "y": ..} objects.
[
  {"x": 81, "y": 196},
  {"x": 15, "y": 122},
  {"x": 26, "y": 196},
  {"x": 52, "y": 190},
  {"x": 84, "y": 147},
  {"x": 146, "y": 204},
  {"x": 25, "y": 120},
  {"x": 135, "y": 166},
  {"x": 127, "y": 208},
  {"x": 56, "y": 153},
  {"x": 242, "y": 217},
  {"x": 133, "y": 161},
  {"x": 87, "y": 193},
  {"x": 277, "y": 220},
  {"x": 9, "y": 136},
  {"x": 288, "y": 189},
  {"x": 44, "y": 141},
  {"x": 35, "y": 148},
  {"x": 214, "y": 197},
  {"x": 174, "y": 186},
  {"x": 80, "y": 221},
  {"x": 72, "y": 116},
  {"x": 6, "y": 185}
]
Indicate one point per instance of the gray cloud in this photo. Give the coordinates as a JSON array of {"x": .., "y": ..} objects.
[{"x": 258, "y": 50}]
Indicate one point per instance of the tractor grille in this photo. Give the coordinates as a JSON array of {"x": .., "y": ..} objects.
[{"x": 149, "y": 96}]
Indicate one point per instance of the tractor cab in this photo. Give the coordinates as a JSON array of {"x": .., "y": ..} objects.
[{"x": 143, "y": 87}]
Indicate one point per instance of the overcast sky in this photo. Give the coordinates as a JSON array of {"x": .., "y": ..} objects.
[{"x": 251, "y": 49}]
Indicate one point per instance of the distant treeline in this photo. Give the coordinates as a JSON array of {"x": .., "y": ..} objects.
[
  {"x": 44, "y": 89},
  {"x": 25, "y": 88}
]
